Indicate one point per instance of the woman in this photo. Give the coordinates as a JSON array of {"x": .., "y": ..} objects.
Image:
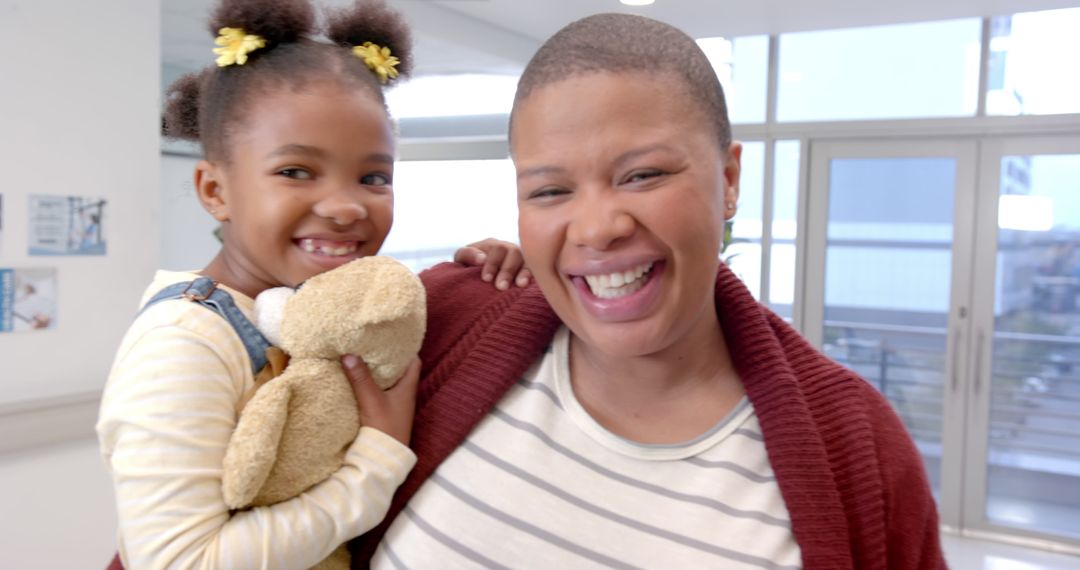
[{"x": 639, "y": 408}]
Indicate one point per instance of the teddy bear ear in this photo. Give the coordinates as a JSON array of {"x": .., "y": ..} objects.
[{"x": 270, "y": 311}]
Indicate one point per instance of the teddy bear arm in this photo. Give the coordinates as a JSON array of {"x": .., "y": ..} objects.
[{"x": 253, "y": 447}]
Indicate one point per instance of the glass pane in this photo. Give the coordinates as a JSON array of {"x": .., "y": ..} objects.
[
  {"x": 784, "y": 226},
  {"x": 1033, "y": 63},
  {"x": 887, "y": 278},
  {"x": 465, "y": 94},
  {"x": 1034, "y": 441},
  {"x": 886, "y": 72},
  {"x": 742, "y": 65},
  {"x": 440, "y": 206},
  {"x": 743, "y": 254}
]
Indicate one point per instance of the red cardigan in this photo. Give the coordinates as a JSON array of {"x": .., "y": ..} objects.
[
  {"x": 851, "y": 479},
  {"x": 850, "y": 476}
]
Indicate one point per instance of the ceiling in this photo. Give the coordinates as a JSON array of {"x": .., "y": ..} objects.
[{"x": 499, "y": 36}]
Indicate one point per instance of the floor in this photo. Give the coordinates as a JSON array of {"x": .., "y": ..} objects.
[{"x": 971, "y": 554}]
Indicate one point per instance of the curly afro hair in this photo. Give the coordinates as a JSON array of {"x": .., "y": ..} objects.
[{"x": 206, "y": 107}]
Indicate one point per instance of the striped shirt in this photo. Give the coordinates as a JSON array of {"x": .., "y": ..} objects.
[
  {"x": 540, "y": 484},
  {"x": 168, "y": 411}
]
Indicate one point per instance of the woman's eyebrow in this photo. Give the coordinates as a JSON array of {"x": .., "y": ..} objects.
[
  {"x": 622, "y": 159},
  {"x": 539, "y": 171},
  {"x": 641, "y": 151}
]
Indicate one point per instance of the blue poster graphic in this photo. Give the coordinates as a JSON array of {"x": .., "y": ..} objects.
[
  {"x": 7, "y": 299},
  {"x": 28, "y": 299}
]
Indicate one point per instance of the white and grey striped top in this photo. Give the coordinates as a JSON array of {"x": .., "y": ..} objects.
[{"x": 540, "y": 484}]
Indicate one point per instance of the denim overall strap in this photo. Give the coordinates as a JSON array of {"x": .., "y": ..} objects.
[{"x": 204, "y": 291}]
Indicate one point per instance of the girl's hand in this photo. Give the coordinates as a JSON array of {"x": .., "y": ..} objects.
[
  {"x": 389, "y": 411},
  {"x": 502, "y": 262}
]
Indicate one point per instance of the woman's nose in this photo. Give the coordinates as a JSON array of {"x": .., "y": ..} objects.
[
  {"x": 343, "y": 207},
  {"x": 598, "y": 222}
]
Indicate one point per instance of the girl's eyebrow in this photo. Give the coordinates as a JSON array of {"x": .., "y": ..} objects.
[
  {"x": 301, "y": 149},
  {"x": 316, "y": 152}
]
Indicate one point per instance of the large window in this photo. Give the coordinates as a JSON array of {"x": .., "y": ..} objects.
[
  {"x": 886, "y": 72},
  {"x": 743, "y": 254},
  {"x": 1034, "y": 66},
  {"x": 742, "y": 64},
  {"x": 785, "y": 224},
  {"x": 453, "y": 95},
  {"x": 440, "y": 206}
]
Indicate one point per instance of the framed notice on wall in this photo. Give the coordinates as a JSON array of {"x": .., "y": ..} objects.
[
  {"x": 27, "y": 299},
  {"x": 66, "y": 225}
]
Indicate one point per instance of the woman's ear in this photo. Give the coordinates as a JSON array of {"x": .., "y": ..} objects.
[
  {"x": 209, "y": 189},
  {"x": 732, "y": 170}
]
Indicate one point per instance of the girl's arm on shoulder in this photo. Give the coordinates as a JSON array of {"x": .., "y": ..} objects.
[
  {"x": 500, "y": 261},
  {"x": 168, "y": 412}
]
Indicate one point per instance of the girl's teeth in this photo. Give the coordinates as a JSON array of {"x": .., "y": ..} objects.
[
  {"x": 309, "y": 246},
  {"x": 611, "y": 285}
]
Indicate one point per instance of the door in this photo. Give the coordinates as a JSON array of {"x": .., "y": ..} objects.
[
  {"x": 947, "y": 274},
  {"x": 888, "y": 265},
  {"x": 1024, "y": 443}
]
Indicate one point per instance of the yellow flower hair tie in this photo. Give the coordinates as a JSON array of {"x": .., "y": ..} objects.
[
  {"x": 378, "y": 59},
  {"x": 235, "y": 45}
]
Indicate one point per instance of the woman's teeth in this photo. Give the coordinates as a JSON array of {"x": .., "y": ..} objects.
[
  {"x": 328, "y": 248},
  {"x": 612, "y": 285}
]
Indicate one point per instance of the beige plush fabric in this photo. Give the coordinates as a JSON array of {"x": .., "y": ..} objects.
[{"x": 294, "y": 432}]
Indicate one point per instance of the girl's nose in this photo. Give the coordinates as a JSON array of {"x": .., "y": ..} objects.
[{"x": 341, "y": 207}]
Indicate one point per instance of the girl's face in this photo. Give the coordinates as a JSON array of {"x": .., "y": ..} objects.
[
  {"x": 622, "y": 194},
  {"x": 307, "y": 187}
]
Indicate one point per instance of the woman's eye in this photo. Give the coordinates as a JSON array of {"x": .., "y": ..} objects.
[
  {"x": 546, "y": 193},
  {"x": 295, "y": 173},
  {"x": 642, "y": 175},
  {"x": 375, "y": 180}
]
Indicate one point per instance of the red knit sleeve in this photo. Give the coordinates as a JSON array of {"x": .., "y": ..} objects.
[
  {"x": 912, "y": 531},
  {"x": 456, "y": 298}
]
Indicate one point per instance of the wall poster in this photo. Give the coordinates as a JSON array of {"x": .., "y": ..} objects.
[
  {"x": 28, "y": 299},
  {"x": 66, "y": 225}
]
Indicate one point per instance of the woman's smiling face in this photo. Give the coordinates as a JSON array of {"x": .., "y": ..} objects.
[{"x": 622, "y": 196}]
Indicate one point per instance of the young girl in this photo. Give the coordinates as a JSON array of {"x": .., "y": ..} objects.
[{"x": 298, "y": 170}]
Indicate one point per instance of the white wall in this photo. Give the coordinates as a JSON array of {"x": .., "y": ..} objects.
[
  {"x": 79, "y": 84},
  {"x": 79, "y": 102},
  {"x": 58, "y": 510},
  {"x": 187, "y": 231}
]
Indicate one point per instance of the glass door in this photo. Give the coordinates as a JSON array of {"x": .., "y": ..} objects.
[
  {"x": 889, "y": 248},
  {"x": 1024, "y": 447}
]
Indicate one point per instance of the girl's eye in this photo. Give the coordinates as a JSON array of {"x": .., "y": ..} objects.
[
  {"x": 375, "y": 180},
  {"x": 295, "y": 173}
]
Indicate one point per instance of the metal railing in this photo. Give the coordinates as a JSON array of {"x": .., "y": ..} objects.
[{"x": 1035, "y": 405}]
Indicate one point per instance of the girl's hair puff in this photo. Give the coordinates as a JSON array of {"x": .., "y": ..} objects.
[
  {"x": 372, "y": 21},
  {"x": 208, "y": 107},
  {"x": 277, "y": 21},
  {"x": 181, "y": 117}
]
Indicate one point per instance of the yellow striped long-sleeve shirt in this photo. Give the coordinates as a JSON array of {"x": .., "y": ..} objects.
[{"x": 169, "y": 408}]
